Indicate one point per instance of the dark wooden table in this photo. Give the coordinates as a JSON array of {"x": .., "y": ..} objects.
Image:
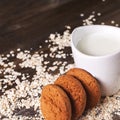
[{"x": 27, "y": 24}]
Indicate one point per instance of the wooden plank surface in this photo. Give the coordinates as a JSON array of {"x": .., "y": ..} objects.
[{"x": 23, "y": 22}]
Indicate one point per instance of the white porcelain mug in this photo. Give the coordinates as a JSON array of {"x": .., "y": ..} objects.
[{"x": 104, "y": 66}]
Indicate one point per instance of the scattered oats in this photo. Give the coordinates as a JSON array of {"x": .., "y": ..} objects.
[
  {"x": 104, "y": 110},
  {"x": 5, "y": 65},
  {"x": 60, "y": 52},
  {"x": 55, "y": 63},
  {"x": 26, "y": 51},
  {"x": 45, "y": 55},
  {"x": 60, "y": 40},
  {"x": 98, "y": 14},
  {"x": 46, "y": 41},
  {"x": 17, "y": 81},
  {"x": 112, "y": 22},
  {"x": 3, "y": 90},
  {"x": 4, "y": 58},
  {"x": 13, "y": 55},
  {"x": 91, "y": 17},
  {"x": 82, "y": 15},
  {"x": 68, "y": 27},
  {"x": 26, "y": 94},
  {"x": 18, "y": 49},
  {"x": 49, "y": 45},
  {"x": 94, "y": 19},
  {"x": 52, "y": 36},
  {"x": 103, "y": 0},
  {"x": 58, "y": 56},
  {"x": 93, "y": 12},
  {"x": 53, "y": 49},
  {"x": 31, "y": 48},
  {"x": 41, "y": 52},
  {"x": 102, "y": 23},
  {"x": 117, "y": 25},
  {"x": 5, "y": 87},
  {"x": 53, "y": 68},
  {"x": 89, "y": 20},
  {"x": 117, "y": 112},
  {"x": 8, "y": 55},
  {"x": 11, "y": 64},
  {"x": 46, "y": 62},
  {"x": 52, "y": 55},
  {"x": 40, "y": 46},
  {"x": 84, "y": 24},
  {"x": 11, "y": 52},
  {"x": 23, "y": 77}
]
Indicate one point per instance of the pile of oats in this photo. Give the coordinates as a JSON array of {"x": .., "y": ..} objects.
[{"x": 29, "y": 71}]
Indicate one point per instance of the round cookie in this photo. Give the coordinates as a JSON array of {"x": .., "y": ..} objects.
[
  {"x": 76, "y": 93},
  {"x": 90, "y": 84},
  {"x": 55, "y": 104}
]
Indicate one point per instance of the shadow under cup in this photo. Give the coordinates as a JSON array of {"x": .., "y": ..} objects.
[{"x": 105, "y": 68}]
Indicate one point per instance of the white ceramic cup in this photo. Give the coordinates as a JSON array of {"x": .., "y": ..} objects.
[{"x": 105, "y": 68}]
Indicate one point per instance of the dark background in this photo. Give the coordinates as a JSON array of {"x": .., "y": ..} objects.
[{"x": 27, "y": 23}]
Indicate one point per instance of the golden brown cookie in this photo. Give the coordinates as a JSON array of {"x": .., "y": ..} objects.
[
  {"x": 55, "y": 104},
  {"x": 90, "y": 84},
  {"x": 76, "y": 93}
]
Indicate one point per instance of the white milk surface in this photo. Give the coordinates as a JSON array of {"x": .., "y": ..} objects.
[{"x": 98, "y": 44}]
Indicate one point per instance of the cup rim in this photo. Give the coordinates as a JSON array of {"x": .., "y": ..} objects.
[{"x": 92, "y": 56}]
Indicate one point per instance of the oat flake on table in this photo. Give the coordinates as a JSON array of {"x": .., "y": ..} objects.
[{"x": 22, "y": 101}]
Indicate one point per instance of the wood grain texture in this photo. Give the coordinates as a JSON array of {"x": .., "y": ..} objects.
[{"x": 26, "y": 24}]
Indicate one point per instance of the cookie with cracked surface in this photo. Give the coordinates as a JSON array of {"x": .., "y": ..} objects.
[
  {"x": 90, "y": 84},
  {"x": 76, "y": 93},
  {"x": 55, "y": 104}
]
